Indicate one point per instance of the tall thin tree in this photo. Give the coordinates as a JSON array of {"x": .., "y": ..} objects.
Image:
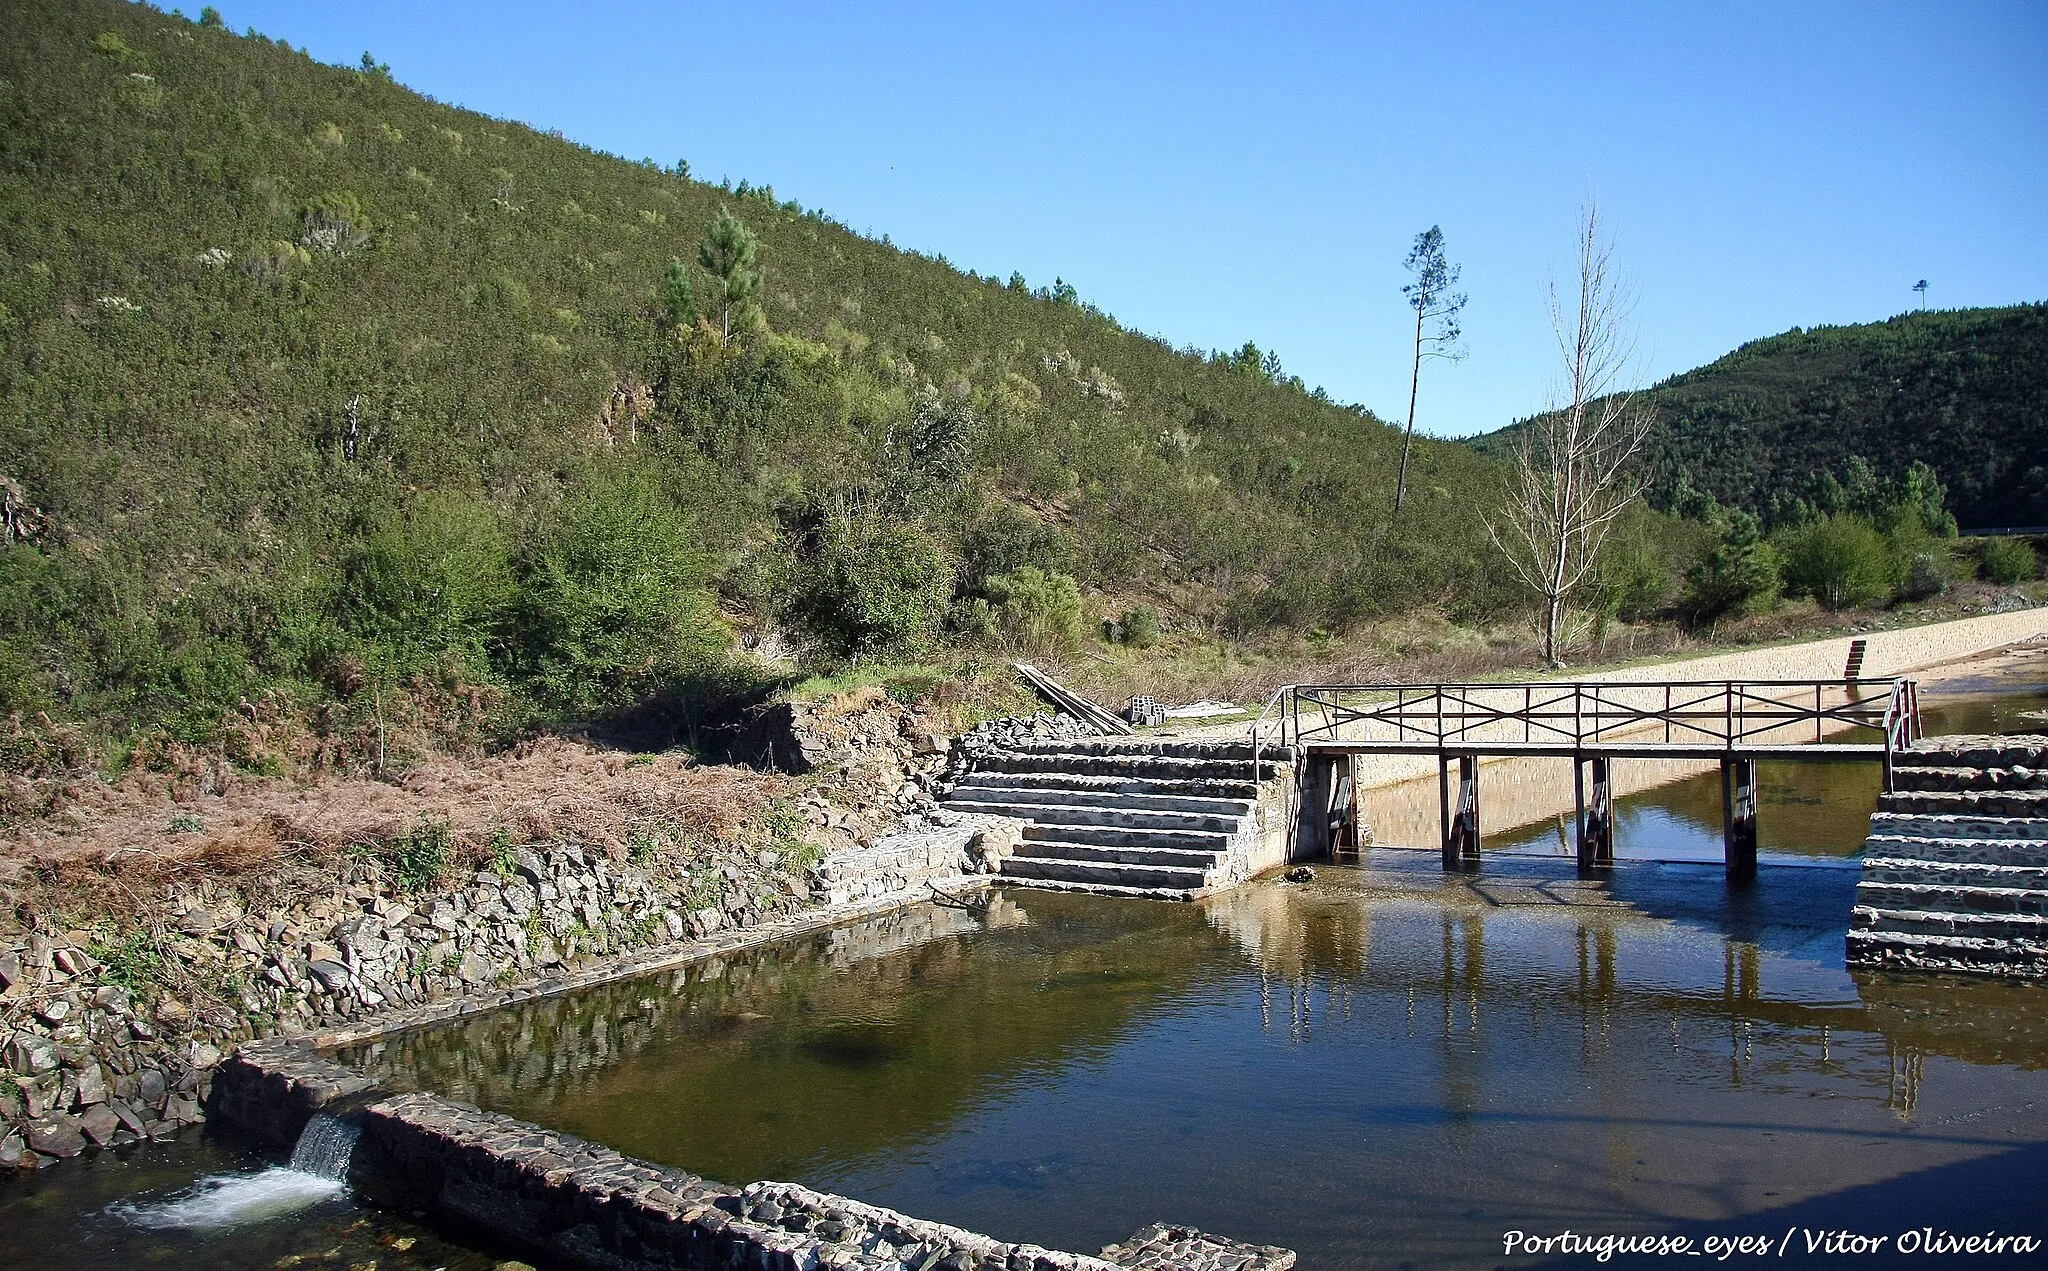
[
  {"x": 1572, "y": 476},
  {"x": 728, "y": 256},
  {"x": 1436, "y": 307}
]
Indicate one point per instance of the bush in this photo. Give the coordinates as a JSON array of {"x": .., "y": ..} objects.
[
  {"x": 419, "y": 856},
  {"x": 1138, "y": 628},
  {"x": 1925, "y": 577},
  {"x": 1841, "y": 561},
  {"x": 442, "y": 580},
  {"x": 1036, "y": 611},
  {"x": 2006, "y": 561},
  {"x": 875, "y": 589},
  {"x": 1633, "y": 580},
  {"x": 615, "y": 608},
  {"x": 1741, "y": 573}
]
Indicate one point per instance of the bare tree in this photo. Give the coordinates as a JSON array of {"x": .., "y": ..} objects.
[
  {"x": 1436, "y": 308},
  {"x": 1572, "y": 477}
]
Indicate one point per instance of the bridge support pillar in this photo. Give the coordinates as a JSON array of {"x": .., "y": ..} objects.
[
  {"x": 1738, "y": 818},
  {"x": 1461, "y": 826},
  {"x": 1596, "y": 814}
]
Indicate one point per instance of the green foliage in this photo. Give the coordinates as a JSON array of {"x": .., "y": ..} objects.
[
  {"x": 1740, "y": 572},
  {"x": 420, "y": 855},
  {"x": 134, "y": 962},
  {"x": 1633, "y": 579},
  {"x": 615, "y": 609},
  {"x": 2006, "y": 561},
  {"x": 728, "y": 255},
  {"x": 312, "y": 369},
  {"x": 1139, "y": 628},
  {"x": 1841, "y": 561},
  {"x": 1926, "y": 577},
  {"x": 1959, "y": 397},
  {"x": 875, "y": 589},
  {"x": 1035, "y": 611},
  {"x": 678, "y": 296}
]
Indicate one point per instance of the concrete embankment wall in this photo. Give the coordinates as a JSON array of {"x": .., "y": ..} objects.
[{"x": 1398, "y": 793}]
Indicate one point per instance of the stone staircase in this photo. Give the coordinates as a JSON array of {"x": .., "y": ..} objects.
[
  {"x": 1955, "y": 871},
  {"x": 1162, "y": 819}
]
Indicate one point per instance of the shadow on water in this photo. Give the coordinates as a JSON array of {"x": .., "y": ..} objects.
[{"x": 1383, "y": 1067}]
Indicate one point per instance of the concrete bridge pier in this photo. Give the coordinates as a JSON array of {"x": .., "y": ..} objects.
[
  {"x": 1596, "y": 815},
  {"x": 1738, "y": 818},
  {"x": 1461, "y": 829}
]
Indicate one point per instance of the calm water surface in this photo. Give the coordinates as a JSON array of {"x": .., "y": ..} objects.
[{"x": 1382, "y": 1068}]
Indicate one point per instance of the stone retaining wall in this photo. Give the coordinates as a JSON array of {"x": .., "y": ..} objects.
[{"x": 586, "y": 1205}]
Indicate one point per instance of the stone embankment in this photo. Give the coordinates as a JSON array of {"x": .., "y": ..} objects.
[
  {"x": 89, "y": 1064},
  {"x": 109, "y": 1036},
  {"x": 1955, "y": 871}
]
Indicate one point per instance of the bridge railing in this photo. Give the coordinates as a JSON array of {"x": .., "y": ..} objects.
[{"x": 1585, "y": 716}]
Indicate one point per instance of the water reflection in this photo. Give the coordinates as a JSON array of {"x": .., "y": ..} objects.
[{"x": 1647, "y": 1052}]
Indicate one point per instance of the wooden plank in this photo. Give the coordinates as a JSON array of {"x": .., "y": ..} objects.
[{"x": 1070, "y": 702}]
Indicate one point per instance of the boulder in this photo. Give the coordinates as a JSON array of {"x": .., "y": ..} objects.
[
  {"x": 32, "y": 1056},
  {"x": 56, "y": 1135}
]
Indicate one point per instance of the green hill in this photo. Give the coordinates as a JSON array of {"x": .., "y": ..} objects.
[
  {"x": 308, "y": 382},
  {"x": 1964, "y": 391}
]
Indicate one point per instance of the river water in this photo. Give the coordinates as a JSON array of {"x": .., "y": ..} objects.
[{"x": 1381, "y": 1068}]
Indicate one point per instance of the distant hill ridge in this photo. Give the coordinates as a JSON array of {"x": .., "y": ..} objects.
[{"x": 1964, "y": 391}]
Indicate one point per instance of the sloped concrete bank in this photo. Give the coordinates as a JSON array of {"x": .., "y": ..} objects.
[{"x": 581, "y": 1204}]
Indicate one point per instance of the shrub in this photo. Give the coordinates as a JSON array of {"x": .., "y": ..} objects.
[
  {"x": 1138, "y": 628},
  {"x": 1036, "y": 611},
  {"x": 1740, "y": 573},
  {"x": 877, "y": 588},
  {"x": 1926, "y": 576},
  {"x": 2006, "y": 561},
  {"x": 1841, "y": 561},
  {"x": 419, "y": 856},
  {"x": 615, "y": 608}
]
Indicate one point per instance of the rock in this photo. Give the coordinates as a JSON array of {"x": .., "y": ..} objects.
[
  {"x": 1300, "y": 874},
  {"x": 128, "y": 1116},
  {"x": 31, "y": 1056},
  {"x": 11, "y": 1149},
  {"x": 150, "y": 1087},
  {"x": 71, "y": 961},
  {"x": 475, "y": 968},
  {"x": 205, "y": 1055},
  {"x": 92, "y": 1086},
  {"x": 183, "y": 1109},
  {"x": 99, "y": 1124},
  {"x": 10, "y": 971},
  {"x": 56, "y": 1135},
  {"x": 331, "y": 974},
  {"x": 54, "y": 1012}
]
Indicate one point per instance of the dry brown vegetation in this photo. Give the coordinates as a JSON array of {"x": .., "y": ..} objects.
[{"x": 151, "y": 830}]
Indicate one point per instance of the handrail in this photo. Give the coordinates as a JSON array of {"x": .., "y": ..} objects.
[
  {"x": 1725, "y": 713},
  {"x": 1271, "y": 704}
]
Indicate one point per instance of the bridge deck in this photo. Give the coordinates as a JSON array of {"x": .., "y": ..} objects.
[{"x": 1812, "y": 751}]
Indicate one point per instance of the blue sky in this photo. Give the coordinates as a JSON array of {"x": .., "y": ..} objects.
[{"x": 1218, "y": 173}]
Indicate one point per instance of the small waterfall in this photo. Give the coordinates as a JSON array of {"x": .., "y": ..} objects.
[
  {"x": 317, "y": 1173},
  {"x": 324, "y": 1147}
]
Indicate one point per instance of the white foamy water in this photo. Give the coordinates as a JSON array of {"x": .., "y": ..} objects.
[
  {"x": 317, "y": 1172},
  {"x": 230, "y": 1200}
]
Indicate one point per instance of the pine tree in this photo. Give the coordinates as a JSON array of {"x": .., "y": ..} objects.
[
  {"x": 728, "y": 255},
  {"x": 678, "y": 297}
]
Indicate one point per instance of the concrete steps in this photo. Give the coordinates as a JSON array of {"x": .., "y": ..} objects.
[
  {"x": 1120, "y": 816},
  {"x": 1955, "y": 870}
]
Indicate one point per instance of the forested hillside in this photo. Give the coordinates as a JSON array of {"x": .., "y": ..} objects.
[
  {"x": 1963, "y": 391},
  {"x": 310, "y": 385}
]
